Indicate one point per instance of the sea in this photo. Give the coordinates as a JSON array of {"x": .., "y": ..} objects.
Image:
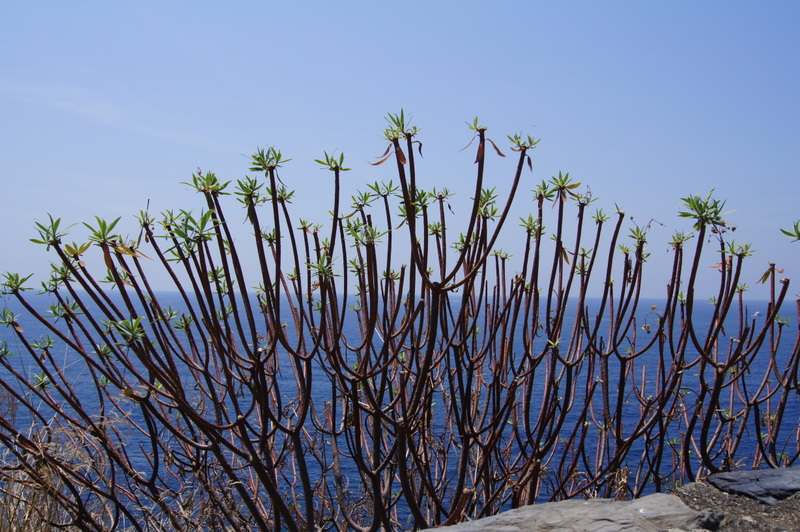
[{"x": 18, "y": 362}]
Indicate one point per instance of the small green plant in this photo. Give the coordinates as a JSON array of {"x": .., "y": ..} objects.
[
  {"x": 704, "y": 211},
  {"x": 794, "y": 232}
]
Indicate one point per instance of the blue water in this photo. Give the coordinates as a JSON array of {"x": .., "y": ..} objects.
[{"x": 645, "y": 370}]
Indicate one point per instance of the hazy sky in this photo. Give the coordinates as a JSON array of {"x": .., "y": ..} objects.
[{"x": 106, "y": 105}]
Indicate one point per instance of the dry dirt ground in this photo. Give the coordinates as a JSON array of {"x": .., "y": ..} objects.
[{"x": 743, "y": 514}]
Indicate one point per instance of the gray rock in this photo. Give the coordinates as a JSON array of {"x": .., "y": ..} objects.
[
  {"x": 765, "y": 485},
  {"x": 657, "y": 512}
]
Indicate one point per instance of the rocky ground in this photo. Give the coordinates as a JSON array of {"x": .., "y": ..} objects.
[
  {"x": 765, "y": 500},
  {"x": 742, "y": 513}
]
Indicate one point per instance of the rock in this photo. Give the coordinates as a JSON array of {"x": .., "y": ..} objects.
[
  {"x": 765, "y": 485},
  {"x": 657, "y": 512}
]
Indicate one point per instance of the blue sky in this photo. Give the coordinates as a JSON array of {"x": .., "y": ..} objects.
[{"x": 106, "y": 105}]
